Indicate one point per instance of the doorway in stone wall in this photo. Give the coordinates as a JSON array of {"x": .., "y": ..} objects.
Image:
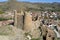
[{"x": 44, "y": 37}]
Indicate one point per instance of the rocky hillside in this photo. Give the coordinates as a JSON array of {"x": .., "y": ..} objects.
[
  {"x": 11, "y": 33},
  {"x": 29, "y": 6}
]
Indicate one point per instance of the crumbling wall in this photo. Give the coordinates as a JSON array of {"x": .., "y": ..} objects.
[
  {"x": 28, "y": 22},
  {"x": 31, "y": 26},
  {"x": 18, "y": 20}
]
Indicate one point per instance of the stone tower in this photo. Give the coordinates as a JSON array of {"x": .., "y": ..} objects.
[
  {"x": 28, "y": 22},
  {"x": 18, "y": 19},
  {"x": 30, "y": 26}
]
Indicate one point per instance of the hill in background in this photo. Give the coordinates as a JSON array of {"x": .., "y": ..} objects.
[{"x": 10, "y": 5}]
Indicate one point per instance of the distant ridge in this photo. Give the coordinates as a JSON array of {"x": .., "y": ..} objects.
[{"x": 29, "y": 6}]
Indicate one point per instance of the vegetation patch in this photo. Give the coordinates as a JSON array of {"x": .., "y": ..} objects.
[
  {"x": 26, "y": 34},
  {"x": 1, "y": 12},
  {"x": 35, "y": 39},
  {"x": 58, "y": 38},
  {"x": 6, "y": 30},
  {"x": 2, "y": 19}
]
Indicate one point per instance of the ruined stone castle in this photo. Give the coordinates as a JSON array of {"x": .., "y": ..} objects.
[{"x": 32, "y": 24}]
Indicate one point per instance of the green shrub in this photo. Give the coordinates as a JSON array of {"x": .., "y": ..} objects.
[
  {"x": 28, "y": 34},
  {"x": 1, "y": 12},
  {"x": 35, "y": 39},
  {"x": 2, "y": 19},
  {"x": 58, "y": 38}
]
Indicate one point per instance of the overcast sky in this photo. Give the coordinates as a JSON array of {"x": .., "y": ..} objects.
[{"x": 47, "y": 1}]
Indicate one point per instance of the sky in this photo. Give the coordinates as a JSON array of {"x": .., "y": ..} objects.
[{"x": 44, "y": 1}]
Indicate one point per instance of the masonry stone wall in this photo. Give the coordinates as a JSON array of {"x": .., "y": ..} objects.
[
  {"x": 18, "y": 20},
  {"x": 31, "y": 26},
  {"x": 28, "y": 22}
]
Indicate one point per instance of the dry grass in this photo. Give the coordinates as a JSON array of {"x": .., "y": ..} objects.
[{"x": 6, "y": 30}]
